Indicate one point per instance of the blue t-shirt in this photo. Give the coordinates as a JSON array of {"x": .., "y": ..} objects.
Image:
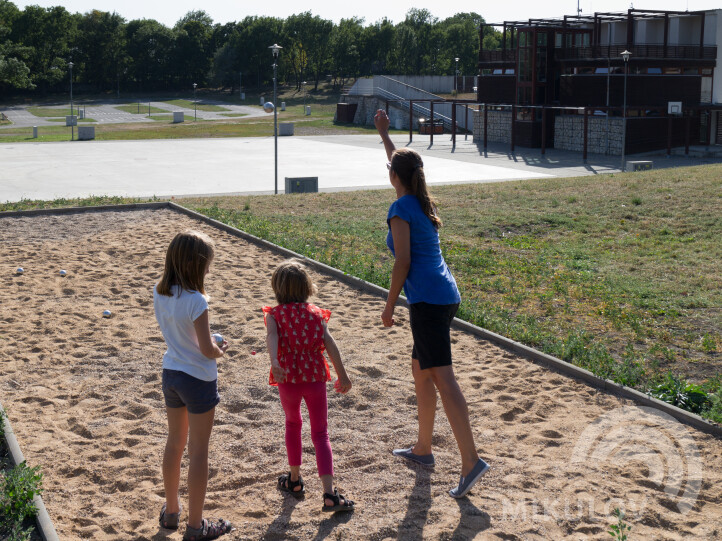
[{"x": 429, "y": 279}]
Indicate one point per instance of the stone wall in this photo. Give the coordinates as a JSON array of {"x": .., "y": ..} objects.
[
  {"x": 569, "y": 134},
  {"x": 367, "y": 107},
  {"x": 568, "y": 131},
  {"x": 498, "y": 123}
]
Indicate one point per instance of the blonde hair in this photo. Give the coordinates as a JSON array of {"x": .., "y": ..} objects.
[
  {"x": 409, "y": 167},
  {"x": 291, "y": 282},
  {"x": 186, "y": 262}
]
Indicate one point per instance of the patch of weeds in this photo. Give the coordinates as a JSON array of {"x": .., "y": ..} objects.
[
  {"x": 630, "y": 371},
  {"x": 636, "y": 201},
  {"x": 619, "y": 530},
  {"x": 709, "y": 344},
  {"x": 18, "y": 487},
  {"x": 681, "y": 393}
]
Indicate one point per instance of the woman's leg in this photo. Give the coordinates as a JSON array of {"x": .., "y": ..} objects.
[
  {"x": 174, "y": 447},
  {"x": 291, "y": 402},
  {"x": 457, "y": 412},
  {"x": 200, "y": 425},
  {"x": 426, "y": 408}
]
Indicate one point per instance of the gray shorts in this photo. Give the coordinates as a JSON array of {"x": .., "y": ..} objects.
[{"x": 182, "y": 390}]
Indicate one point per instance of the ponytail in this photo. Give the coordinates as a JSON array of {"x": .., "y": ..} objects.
[{"x": 409, "y": 167}]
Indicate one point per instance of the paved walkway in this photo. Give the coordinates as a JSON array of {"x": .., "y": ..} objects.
[
  {"x": 107, "y": 113},
  {"x": 246, "y": 165}
]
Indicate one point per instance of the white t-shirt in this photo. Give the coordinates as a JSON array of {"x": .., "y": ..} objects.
[{"x": 175, "y": 317}]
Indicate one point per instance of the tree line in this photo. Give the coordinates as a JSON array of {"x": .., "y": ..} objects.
[{"x": 109, "y": 53}]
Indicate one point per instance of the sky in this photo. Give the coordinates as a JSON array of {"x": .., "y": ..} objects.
[{"x": 223, "y": 11}]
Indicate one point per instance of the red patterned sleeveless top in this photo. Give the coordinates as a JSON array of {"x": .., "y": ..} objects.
[{"x": 300, "y": 341}]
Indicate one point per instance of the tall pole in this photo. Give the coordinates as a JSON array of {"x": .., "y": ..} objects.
[
  {"x": 195, "y": 103},
  {"x": 275, "y": 48},
  {"x": 72, "y": 125},
  {"x": 625, "y": 56},
  {"x": 456, "y": 75}
]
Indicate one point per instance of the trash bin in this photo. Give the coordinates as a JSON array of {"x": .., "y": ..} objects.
[
  {"x": 426, "y": 126},
  {"x": 301, "y": 184},
  {"x": 345, "y": 112}
]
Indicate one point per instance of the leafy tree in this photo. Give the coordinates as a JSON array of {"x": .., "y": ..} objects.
[
  {"x": 345, "y": 56},
  {"x": 192, "y": 55},
  {"x": 149, "y": 46},
  {"x": 376, "y": 47},
  {"x": 257, "y": 34},
  {"x": 49, "y": 34},
  {"x": 14, "y": 73},
  {"x": 102, "y": 48}
]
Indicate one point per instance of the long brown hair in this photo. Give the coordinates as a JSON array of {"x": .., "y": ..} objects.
[
  {"x": 186, "y": 262},
  {"x": 409, "y": 167},
  {"x": 291, "y": 282}
]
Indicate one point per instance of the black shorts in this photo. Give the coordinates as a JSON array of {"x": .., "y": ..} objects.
[{"x": 430, "y": 327}]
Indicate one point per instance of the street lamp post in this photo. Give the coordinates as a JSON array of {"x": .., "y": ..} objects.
[
  {"x": 195, "y": 103},
  {"x": 304, "y": 96},
  {"x": 456, "y": 75},
  {"x": 72, "y": 126},
  {"x": 625, "y": 55},
  {"x": 275, "y": 49}
]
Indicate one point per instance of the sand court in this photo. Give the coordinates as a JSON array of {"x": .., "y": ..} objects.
[{"x": 84, "y": 398}]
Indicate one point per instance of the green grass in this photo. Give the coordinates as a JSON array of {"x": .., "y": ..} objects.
[
  {"x": 568, "y": 266},
  {"x": 139, "y": 109},
  {"x": 233, "y": 115},
  {"x": 52, "y": 111},
  {"x": 168, "y": 118},
  {"x": 80, "y": 120},
  {"x": 189, "y": 104}
]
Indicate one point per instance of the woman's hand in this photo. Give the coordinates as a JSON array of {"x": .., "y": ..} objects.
[
  {"x": 387, "y": 316},
  {"x": 382, "y": 122},
  {"x": 279, "y": 374}
]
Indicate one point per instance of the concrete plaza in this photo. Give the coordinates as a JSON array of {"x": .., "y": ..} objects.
[{"x": 246, "y": 165}]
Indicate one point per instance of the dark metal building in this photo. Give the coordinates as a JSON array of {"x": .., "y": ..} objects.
[{"x": 546, "y": 67}]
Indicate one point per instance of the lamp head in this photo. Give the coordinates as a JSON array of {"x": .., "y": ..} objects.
[
  {"x": 626, "y": 54},
  {"x": 70, "y": 65},
  {"x": 456, "y": 59},
  {"x": 275, "y": 49},
  {"x": 195, "y": 85}
]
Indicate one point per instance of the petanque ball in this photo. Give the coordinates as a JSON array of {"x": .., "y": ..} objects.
[
  {"x": 218, "y": 338},
  {"x": 63, "y": 272},
  {"x": 107, "y": 313},
  {"x": 268, "y": 107},
  {"x": 19, "y": 270}
]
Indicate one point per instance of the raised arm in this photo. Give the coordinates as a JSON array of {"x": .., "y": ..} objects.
[{"x": 382, "y": 123}]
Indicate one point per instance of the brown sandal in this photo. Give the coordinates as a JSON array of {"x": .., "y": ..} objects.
[
  {"x": 169, "y": 520},
  {"x": 209, "y": 530}
]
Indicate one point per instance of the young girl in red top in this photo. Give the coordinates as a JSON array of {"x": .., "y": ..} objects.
[{"x": 297, "y": 335}]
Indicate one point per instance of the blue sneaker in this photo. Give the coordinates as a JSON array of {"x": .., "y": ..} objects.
[
  {"x": 465, "y": 483},
  {"x": 408, "y": 454}
]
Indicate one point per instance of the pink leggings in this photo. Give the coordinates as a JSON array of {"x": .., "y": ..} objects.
[{"x": 315, "y": 396}]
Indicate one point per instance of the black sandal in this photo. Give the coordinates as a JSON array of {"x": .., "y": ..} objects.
[
  {"x": 169, "y": 520},
  {"x": 286, "y": 485},
  {"x": 336, "y": 498},
  {"x": 209, "y": 530}
]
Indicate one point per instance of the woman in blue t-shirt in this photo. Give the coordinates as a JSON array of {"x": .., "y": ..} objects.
[{"x": 433, "y": 297}]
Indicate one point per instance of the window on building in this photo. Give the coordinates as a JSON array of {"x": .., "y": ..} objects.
[{"x": 654, "y": 71}]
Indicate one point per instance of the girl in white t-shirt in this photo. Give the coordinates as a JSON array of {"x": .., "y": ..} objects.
[{"x": 189, "y": 379}]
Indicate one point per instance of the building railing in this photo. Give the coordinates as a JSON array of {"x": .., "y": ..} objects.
[
  {"x": 638, "y": 51},
  {"x": 612, "y": 51}
]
